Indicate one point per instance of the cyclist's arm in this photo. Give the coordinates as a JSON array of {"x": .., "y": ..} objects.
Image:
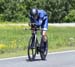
[
  {"x": 31, "y": 20},
  {"x": 42, "y": 18}
]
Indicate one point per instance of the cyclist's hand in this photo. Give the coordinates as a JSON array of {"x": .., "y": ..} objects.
[
  {"x": 32, "y": 24},
  {"x": 29, "y": 24}
]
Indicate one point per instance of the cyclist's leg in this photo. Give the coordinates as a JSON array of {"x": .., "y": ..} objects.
[
  {"x": 44, "y": 35},
  {"x": 44, "y": 27}
]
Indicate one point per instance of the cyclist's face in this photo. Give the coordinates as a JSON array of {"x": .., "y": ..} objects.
[{"x": 35, "y": 16}]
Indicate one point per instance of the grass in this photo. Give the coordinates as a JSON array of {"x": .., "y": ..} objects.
[
  {"x": 61, "y": 37},
  {"x": 14, "y": 39},
  {"x": 14, "y": 54},
  {"x": 24, "y": 52}
]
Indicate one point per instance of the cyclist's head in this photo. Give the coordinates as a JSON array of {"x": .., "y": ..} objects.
[{"x": 34, "y": 12}]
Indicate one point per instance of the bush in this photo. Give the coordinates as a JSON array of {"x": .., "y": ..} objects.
[
  {"x": 1, "y": 17},
  {"x": 70, "y": 17}
]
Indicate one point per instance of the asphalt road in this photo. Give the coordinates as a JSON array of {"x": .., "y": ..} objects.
[{"x": 62, "y": 59}]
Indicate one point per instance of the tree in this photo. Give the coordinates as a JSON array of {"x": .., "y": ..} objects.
[
  {"x": 18, "y": 10},
  {"x": 57, "y": 9},
  {"x": 70, "y": 17}
]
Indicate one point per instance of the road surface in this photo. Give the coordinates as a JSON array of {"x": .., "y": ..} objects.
[{"x": 59, "y": 59}]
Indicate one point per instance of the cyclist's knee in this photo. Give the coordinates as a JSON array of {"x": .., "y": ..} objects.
[{"x": 44, "y": 35}]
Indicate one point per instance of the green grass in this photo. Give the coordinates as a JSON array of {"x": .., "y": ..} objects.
[
  {"x": 61, "y": 37},
  {"x": 24, "y": 52},
  {"x": 15, "y": 39},
  {"x": 14, "y": 54}
]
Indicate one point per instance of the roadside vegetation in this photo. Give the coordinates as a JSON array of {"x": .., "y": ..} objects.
[
  {"x": 14, "y": 39},
  {"x": 58, "y": 11}
]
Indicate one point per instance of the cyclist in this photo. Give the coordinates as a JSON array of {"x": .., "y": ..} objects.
[{"x": 40, "y": 18}]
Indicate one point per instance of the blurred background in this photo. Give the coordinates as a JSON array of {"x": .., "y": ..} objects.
[
  {"x": 14, "y": 14},
  {"x": 17, "y": 10}
]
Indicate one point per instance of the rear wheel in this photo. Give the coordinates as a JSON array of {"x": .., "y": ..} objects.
[
  {"x": 32, "y": 48},
  {"x": 44, "y": 49}
]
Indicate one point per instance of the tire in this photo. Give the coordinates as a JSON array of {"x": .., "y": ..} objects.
[
  {"x": 32, "y": 49},
  {"x": 44, "y": 51}
]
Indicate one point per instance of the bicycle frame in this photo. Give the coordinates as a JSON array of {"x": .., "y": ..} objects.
[{"x": 34, "y": 34}]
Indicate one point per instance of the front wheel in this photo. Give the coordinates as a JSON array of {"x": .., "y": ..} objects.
[
  {"x": 44, "y": 49},
  {"x": 32, "y": 48}
]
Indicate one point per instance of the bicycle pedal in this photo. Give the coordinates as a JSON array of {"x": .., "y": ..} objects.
[{"x": 37, "y": 50}]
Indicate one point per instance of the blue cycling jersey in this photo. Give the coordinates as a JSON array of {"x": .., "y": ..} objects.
[{"x": 42, "y": 19}]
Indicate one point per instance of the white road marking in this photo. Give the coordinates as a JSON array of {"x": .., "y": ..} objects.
[
  {"x": 38, "y": 55},
  {"x": 60, "y": 52}
]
